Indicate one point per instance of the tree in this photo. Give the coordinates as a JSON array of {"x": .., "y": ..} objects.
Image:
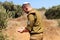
[{"x": 8, "y": 10}]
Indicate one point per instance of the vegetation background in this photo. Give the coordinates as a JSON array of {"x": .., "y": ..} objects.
[{"x": 8, "y": 10}]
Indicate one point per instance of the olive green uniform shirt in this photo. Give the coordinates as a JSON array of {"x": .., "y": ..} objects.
[{"x": 34, "y": 24}]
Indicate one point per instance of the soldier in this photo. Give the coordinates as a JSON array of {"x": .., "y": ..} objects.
[{"x": 34, "y": 23}]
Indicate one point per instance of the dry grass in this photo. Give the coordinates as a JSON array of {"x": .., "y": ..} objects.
[{"x": 51, "y": 29}]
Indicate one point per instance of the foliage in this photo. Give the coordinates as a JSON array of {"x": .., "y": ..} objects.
[
  {"x": 1, "y": 36},
  {"x": 3, "y": 17},
  {"x": 12, "y": 9},
  {"x": 53, "y": 13},
  {"x": 8, "y": 10}
]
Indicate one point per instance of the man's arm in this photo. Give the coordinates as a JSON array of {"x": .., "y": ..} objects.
[
  {"x": 26, "y": 29},
  {"x": 31, "y": 20}
]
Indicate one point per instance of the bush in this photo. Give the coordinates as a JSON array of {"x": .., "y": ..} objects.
[
  {"x": 53, "y": 13},
  {"x": 3, "y": 17},
  {"x": 8, "y": 10},
  {"x": 1, "y": 36}
]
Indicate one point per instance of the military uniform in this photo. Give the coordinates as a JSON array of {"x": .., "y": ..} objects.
[{"x": 34, "y": 24}]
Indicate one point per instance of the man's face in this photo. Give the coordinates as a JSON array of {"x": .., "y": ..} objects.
[{"x": 26, "y": 8}]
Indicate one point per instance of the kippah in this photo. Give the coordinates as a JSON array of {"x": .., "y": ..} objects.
[{"x": 26, "y": 3}]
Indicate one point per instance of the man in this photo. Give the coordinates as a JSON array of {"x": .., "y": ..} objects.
[{"x": 34, "y": 23}]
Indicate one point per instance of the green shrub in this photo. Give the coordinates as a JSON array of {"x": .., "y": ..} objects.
[
  {"x": 1, "y": 36},
  {"x": 53, "y": 13},
  {"x": 3, "y": 17}
]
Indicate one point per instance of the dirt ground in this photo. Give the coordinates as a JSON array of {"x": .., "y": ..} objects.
[{"x": 51, "y": 30}]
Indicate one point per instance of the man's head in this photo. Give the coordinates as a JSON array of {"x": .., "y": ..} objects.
[{"x": 26, "y": 7}]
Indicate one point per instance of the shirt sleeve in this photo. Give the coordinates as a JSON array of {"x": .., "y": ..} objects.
[{"x": 31, "y": 19}]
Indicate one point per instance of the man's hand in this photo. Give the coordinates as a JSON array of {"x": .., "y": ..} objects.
[{"x": 22, "y": 29}]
